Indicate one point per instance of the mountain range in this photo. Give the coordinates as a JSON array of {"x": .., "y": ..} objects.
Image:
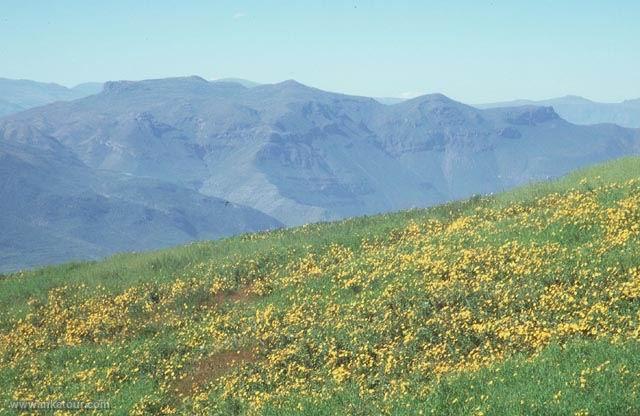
[
  {"x": 19, "y": 95},
  {"x": 580, "y": 110},
  {"x": 153, "y": 163}
]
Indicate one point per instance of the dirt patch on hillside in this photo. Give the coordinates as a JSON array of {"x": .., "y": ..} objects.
[
  {"x": 211, "y": 368},
  {"x": 243, "y": 294}
]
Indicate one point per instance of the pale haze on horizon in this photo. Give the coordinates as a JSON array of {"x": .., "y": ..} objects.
[{"x": 473, "y": 51}]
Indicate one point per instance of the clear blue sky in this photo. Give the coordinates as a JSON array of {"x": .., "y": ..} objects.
[{"x": 474, "y": 51}]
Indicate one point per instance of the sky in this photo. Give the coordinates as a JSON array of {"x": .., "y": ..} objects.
[{"x": 474, "y": 51}]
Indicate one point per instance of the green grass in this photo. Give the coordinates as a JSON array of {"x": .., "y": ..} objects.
[
  {"x": 521, "y": 384},
  {"x": 559, "y": 381}
]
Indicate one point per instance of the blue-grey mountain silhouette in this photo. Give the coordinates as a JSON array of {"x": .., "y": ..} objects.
[
  {"x": 286, "y": 151},
  {"x": 583, "y": 111},
  {"x": 21, "y": 94}
]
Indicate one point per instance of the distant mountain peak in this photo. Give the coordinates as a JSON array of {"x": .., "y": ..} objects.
[
  {"x": 289, "y": 87},
  {"x": 30, "y": 82},
  {"x": 197, "y": 78},
  {"x": 580, "y": 110},
  {"x": 18, "y": 95},
  {"x": 192, "y": 83},
  {"x": 531, "y": 115},
  {"x": 576, "y": 98},
  {"x": 436, "y": 96},
  {"x": 193, "y": 79},
  {"x": 433, "y": 98},
  {"x": 292, "y": 84}
]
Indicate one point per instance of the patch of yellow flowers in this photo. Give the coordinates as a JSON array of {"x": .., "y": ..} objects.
[{"x": 389, "y": 316}]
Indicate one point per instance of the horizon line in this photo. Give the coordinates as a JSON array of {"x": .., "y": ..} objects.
[{"x": 232, "y": 79}]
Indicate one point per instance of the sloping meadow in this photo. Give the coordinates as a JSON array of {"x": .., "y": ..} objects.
[{"x": 527, "y": 302}]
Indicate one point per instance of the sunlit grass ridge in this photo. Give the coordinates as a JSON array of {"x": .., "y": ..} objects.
[{"x": 523, "y": 303}]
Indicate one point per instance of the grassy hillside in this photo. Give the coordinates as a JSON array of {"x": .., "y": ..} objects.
[{"x": 523, "y": 303}]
